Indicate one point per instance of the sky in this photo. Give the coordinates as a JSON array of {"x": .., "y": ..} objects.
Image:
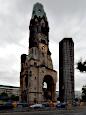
[{"x": 67, "y": 18}]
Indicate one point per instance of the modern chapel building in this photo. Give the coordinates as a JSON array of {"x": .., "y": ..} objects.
[{"x": 66, "y": 70}]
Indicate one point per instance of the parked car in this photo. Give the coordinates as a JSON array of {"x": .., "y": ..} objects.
[
  {"x": 1, "y": 107},
  {"x": 36, "y": 106},
  {"x": 45, "y": 104},
  {"x": 76, "y": 103},
  {"x": 6, "y": 105},
  {"x": 21, "y": 105},
  {"x": 61, "y": 105}
]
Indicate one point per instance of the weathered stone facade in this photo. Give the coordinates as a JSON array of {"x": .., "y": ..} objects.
[{"x": 36, "y": 67}]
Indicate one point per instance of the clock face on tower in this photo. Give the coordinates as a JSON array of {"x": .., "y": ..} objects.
[{"x": 43, "y": 48}]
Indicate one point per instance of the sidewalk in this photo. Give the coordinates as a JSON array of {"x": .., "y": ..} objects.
[{"x": 72, "y": 110}]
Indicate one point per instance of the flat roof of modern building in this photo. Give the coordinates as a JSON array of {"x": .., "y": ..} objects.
[
  {"x": 66, "y": 39},
  {"x": 7, "y": 86}
]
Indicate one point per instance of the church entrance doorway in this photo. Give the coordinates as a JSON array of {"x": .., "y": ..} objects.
[{"x": 48, "y": 88}]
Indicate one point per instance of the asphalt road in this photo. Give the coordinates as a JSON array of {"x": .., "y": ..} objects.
[{"x": 83, "y": 112}]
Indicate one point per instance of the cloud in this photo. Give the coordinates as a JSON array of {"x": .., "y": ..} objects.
[
  {"x": 12, "y": 23},
  {"x": 9, "y": 77}
]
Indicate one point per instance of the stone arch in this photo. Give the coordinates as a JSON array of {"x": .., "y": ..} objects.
[{"x": 48, "y": 88}]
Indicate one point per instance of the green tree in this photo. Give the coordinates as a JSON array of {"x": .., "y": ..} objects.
[
  {"x": 4, "y": 96},
  {"x": 84, "y": 93},
  {"x": 81, "y": 66},
  {"x": 14, "y": 98}
]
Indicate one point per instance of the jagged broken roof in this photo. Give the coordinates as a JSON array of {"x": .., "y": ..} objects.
[{"x": 38, "y": 11}]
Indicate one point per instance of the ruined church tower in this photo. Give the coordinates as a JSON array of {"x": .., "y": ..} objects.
[{"x": 37, "y": 77}]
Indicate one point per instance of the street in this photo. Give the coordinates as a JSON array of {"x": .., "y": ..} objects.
[{"x": 55, "y": 112}]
